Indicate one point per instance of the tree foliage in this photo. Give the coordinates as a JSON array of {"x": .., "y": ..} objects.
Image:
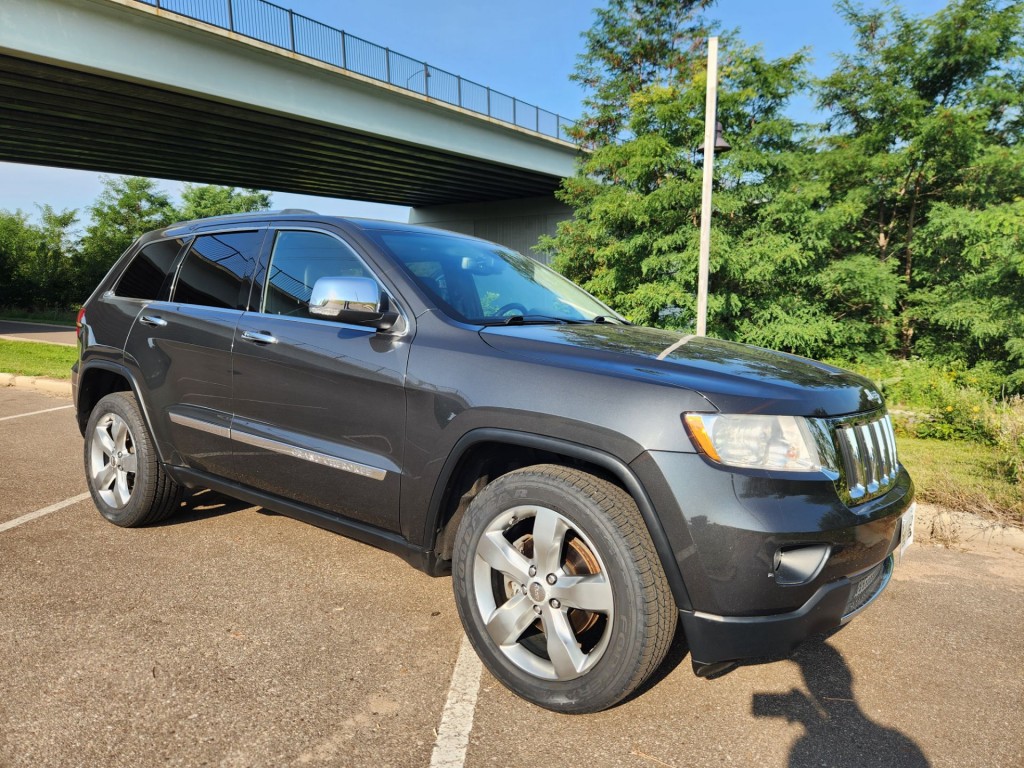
[
  {"x": 52, "y": 264},
  {"x": 895, "y": 227}
]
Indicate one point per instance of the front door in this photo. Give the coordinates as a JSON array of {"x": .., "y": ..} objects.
[{"x": 319, "y": 406}]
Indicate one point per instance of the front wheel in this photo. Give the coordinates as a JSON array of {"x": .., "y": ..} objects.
[
  {"x": 128, "y": 485},
  {"x": 560, "y": 590}
]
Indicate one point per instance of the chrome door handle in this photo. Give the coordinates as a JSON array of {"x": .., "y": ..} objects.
[
  {"x": 259, "y": 337},
  {"x": 153, "y": 320}
]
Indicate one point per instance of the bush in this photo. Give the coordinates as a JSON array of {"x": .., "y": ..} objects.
[{"x": 927, "y": 400}]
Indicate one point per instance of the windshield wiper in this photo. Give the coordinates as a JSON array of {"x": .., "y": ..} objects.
[
  {"x": 534, "y": 320},
  {"x": 609, "y": 319}
]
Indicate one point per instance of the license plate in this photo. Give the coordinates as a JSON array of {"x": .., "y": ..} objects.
[{"x": 907, "y": 529}]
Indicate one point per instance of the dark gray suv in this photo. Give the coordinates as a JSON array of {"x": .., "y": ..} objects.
[{"x": 588, "y": 483}]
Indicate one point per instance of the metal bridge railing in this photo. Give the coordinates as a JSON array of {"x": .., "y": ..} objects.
[{"x": 283, "y": 28}]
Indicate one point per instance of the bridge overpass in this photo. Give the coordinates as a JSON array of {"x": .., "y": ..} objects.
[{"x": 125, "y": 86}]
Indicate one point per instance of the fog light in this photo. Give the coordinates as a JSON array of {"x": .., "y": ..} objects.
[{"x": 798, "y": 565}]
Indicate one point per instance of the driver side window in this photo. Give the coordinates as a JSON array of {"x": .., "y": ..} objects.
[{"x": 298, "y": 260}]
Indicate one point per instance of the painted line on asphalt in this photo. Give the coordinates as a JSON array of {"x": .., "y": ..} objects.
[
  {"x": 457, "y": 716},
  {"x": 44, "y": 511},
  {"x": 34, "y": 413}
]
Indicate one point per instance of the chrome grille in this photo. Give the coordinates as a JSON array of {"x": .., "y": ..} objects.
[{"x": 868, "y": 450}]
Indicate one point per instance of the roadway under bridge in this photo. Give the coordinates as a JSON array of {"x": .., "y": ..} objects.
[{"x": 121, "y": 86}]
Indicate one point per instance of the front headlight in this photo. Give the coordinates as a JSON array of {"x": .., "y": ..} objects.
[{"x": 783, "y": 443}]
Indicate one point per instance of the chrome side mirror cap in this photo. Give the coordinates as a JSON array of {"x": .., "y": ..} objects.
[{"x": 356, "y": 300}]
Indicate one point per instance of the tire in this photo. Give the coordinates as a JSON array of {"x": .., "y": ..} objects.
[
  {"x": 537, "y": 637},
  {"x": 128, "y": 485}
]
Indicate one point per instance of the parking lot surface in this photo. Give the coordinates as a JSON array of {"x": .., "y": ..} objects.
[{"x": 231, "y": 636}]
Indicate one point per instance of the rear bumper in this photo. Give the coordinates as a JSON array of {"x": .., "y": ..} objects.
[{"x": 715, "y": 638}]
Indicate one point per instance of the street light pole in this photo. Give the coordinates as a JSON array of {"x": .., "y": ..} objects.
[{"x": 710, "y": 109}]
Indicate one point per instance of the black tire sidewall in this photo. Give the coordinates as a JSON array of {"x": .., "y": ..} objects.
[{"x": 615, "y": 674}]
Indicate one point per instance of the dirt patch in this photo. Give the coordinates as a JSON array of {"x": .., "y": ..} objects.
[{"x": 958, "y": 529}]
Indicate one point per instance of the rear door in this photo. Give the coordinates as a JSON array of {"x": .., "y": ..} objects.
[
  {"x": 319, "y": 406},
  {"x": 181, "y": 348}
]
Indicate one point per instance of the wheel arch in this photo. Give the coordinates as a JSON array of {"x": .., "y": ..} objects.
[
  {"x": 453, "y": 489},
  {"x": 99, "y": 378}
]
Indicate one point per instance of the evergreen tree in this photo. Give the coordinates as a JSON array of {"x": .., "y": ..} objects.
[
  {"x": 201, "y": 200},
  {"x": 924, "y": 166}
]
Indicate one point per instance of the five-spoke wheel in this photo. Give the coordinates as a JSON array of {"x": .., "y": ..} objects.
[
  {"x": 560, "y": 590},
  {"x": 127, "y": 482}
]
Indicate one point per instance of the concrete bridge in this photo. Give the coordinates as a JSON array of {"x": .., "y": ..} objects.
[{"x": 124, "y": 86}]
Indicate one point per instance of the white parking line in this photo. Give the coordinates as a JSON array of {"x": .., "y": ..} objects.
[
  {"x": 33, "y": 413},
  {"x": 457, "y": 717},
  {"x": 44, "y": 511}
]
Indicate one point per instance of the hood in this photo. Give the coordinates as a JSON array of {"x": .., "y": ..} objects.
[{"x": 735, "y": 378}]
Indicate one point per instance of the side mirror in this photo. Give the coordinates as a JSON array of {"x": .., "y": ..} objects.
[{"x": 356, "y": 300}]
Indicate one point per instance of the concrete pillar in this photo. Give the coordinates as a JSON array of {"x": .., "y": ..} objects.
[{"x": 517, "y": 224}]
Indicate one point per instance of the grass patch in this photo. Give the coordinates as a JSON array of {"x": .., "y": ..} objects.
[
  {"x": 962, "y": 475},
  {"x": 30, "y": 358},
  {"x": 44, "y": 316}
]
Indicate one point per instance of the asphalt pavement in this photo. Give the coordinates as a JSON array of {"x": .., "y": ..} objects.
[
  {"x": 231, "y": 636},
  {"x": 51, "y": 334}
]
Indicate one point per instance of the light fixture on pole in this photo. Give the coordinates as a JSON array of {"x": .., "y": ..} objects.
[{"x": 713, "y": 142}]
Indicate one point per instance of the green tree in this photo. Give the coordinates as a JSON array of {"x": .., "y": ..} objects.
[
  {"x": 18, "y": 238},
  {"x": 201, "y": 200},
  {"x": 48, "y": 273},
  {"x": 924, "y": 167},
  {"x": 632, "y": 45},
  {"x": 126, "y": 208},
  {"x": 634, "y": 238}
]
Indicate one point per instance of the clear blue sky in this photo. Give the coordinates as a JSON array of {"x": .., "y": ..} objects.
[{"x": 526, "y": 48}]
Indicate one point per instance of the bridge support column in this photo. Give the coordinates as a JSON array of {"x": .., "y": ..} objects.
[{"x": 517, "y": 224}]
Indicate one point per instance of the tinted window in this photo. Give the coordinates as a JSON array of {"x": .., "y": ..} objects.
[
  {"x": 147, "y": 275},
  {"x": 215, "y": 268},
  {"x": 298, "y": 261}
]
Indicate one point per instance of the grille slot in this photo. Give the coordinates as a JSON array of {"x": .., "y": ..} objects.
[{"x": 868, "y": 450}]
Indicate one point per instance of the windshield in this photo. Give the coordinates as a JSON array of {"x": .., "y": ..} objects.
[{"x": 483, "y": 283}]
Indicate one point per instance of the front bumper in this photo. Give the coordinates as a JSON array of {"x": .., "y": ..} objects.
[
  {"x": 726, "y": 529},
  {"x": 715, "y": 638}
]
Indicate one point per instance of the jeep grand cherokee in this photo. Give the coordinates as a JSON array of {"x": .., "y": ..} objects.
[{"x": 589, "y": 484}]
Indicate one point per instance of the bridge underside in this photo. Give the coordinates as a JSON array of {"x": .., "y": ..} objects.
[{"x": 56, "y": 116}]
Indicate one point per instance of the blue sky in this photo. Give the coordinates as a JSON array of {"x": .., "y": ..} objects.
[{"x": 526, "y": 48}]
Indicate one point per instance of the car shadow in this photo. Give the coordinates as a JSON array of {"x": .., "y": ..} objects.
[
  {"x": 837, "y": 733},
  {"x": 201, "y": 504}
]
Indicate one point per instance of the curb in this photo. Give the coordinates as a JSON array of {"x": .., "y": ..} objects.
[
  {"x": 37, "y": 383},
  {"x": 957, "y": 529}
]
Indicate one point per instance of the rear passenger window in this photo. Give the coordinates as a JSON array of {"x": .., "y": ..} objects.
[
  {"x": 147, "y": 277},
  {"x": 215, "y": 269},
  {"x": 298, "y": 261}
]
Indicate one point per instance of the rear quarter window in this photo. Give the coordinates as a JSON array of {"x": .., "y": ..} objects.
[{"x": 148, "y": 276}]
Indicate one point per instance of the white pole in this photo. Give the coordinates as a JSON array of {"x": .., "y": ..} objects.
[{"x": 710, "y": 108}]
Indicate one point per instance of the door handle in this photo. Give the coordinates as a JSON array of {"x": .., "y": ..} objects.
[
  {"x": 259, "y": 337},
  {"x": 153, "y": 320}
]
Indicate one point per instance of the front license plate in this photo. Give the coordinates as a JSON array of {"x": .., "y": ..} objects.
[{"x": 907, "y": 529}]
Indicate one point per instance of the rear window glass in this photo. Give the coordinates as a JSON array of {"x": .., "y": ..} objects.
[
  {"x": 147, "y": 277},
  {"x": 215, "y": 269}
]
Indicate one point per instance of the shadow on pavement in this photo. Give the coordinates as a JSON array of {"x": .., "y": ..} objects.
[
  {"x": 202, "y": 503},
  {"x": 836, "y": 732}
]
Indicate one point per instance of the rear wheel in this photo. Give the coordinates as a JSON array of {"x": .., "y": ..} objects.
[
  {"x": 560, "y": 590},
  {"x": 128, "y": 485}
]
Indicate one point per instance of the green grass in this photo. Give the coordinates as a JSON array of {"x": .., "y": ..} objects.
[
  {"x": 45, "y": 316},
  {"x": 30, "y": 358},
  {"x": 962, "y": 475}
]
